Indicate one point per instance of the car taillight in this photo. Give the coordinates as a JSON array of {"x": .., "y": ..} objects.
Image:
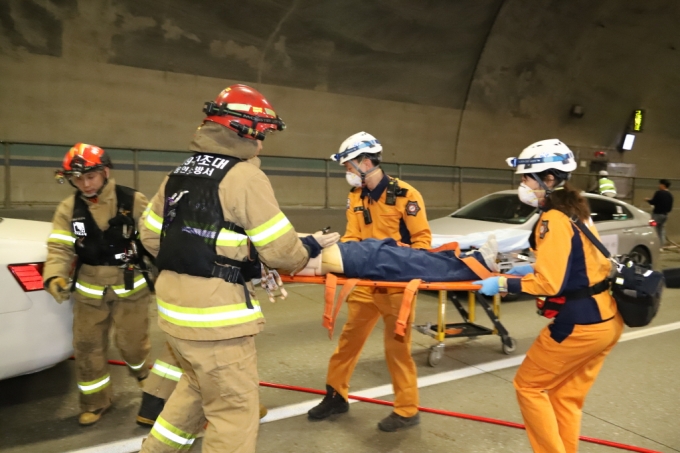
[
  {"x": 652, "y": 222},
  {"x": 29, "y": 275}
]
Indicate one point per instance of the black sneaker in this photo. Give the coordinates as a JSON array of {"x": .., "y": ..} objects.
[
  {"x": 331, "y": 404},
  {"x": 151, "y": 408},
  {"x": 395, "y": 422}
]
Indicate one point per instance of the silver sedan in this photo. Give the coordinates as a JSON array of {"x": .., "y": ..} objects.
[{"x": 624, "y": 229}]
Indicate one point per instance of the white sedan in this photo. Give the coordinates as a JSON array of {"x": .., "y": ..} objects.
[
  {"x": 624, "y": 229},
  {"x": 35, "y": 331}
]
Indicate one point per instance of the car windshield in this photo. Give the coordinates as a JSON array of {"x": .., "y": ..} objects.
[{"x": 501, "y": 207}]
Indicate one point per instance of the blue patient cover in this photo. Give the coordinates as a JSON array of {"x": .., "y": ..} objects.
[{"x": 384, "y": 260}]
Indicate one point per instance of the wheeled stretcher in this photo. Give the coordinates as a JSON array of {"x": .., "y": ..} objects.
[{"x": 439, "y": 331}]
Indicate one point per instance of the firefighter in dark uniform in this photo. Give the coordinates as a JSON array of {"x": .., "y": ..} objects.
[
  {"x": 570, "y": 277},
  {"x": 378, "y": 207},
  {"x": 97, "y": 227}
]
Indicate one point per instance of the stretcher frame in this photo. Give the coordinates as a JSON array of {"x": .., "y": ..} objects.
[{"x": 467, "y": 328}]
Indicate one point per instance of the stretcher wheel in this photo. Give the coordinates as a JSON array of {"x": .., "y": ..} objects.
[
  {"x": 435, "y": 356},
  {"x": 509, "y": 345}
]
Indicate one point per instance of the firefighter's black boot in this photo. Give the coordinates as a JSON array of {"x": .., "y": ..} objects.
[
  {"x": 395, "y": 422},
  {"x": 331, "y": 404},
  {"x": 151, "y": 408}
]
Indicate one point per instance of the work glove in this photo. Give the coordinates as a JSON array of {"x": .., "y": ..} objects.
[
  {"x": 521, "y": 270},
  {"x": 492, "y": 286},
  {"x": 58, "y": 288},
  {"x": 327, "y": 239}
]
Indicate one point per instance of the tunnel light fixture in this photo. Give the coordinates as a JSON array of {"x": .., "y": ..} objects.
[{"x": 628, "y": 141}]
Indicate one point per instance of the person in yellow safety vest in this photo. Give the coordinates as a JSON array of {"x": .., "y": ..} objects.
[
  {"x": 570, "y": 276},
  {"x": 378, "y": 207},
  {"x": 211, "y": 223},
  {"x": 606, "y": 187},
  {"x": 97, "y": 226}
]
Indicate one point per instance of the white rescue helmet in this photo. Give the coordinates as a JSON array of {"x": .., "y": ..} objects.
[
  {"x": 604, "y": 173},
  {"x": 545, "y": 155},
  {"x": 355, "y": 145}
]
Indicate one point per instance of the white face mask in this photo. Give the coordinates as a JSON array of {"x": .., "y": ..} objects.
[
  {"x": 353, "y": 179},
  {"x": 527, "y": 195}
]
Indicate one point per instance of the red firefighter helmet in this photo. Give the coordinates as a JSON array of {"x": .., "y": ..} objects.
[
  {"x": 83, "y": 158},
  {"x": 245, "y": 111}
]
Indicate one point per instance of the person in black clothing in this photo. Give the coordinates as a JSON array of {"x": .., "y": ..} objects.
[{"x": 663, "y": 204}]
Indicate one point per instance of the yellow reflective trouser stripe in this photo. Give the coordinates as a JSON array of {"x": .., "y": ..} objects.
[
  {"x": 165, "y": 370},
  {"x": 153, "y": 221},
  {"x": 62, "y": 237},
  {"x": 88, "y": 290},
  {"x": 223, "y": 315},
  {"x": 231, "y": 238},
  {"x": 139, "y": 284},
  {"x": 270, "y": 230},
  {"x": 169, "y": 435},
  {"x": 95, "y": 386}
]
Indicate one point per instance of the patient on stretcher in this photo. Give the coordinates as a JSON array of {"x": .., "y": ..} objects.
[{"x": 385, "y": 260}]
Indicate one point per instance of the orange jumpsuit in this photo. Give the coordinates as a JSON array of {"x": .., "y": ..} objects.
[
  {"x": 404, "y": 221},
  {"x": 562, "y": 364}
]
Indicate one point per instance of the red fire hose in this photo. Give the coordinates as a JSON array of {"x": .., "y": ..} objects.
[{"x": 428, "y": 410}]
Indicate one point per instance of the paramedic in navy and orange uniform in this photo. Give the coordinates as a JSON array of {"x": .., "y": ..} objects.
[
  {"x": 570, "y": 276},
  {"x": 378, "y": 207}
]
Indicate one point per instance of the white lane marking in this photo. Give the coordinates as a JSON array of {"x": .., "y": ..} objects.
[
  {"x": 635, "y": 334},
  {"x": 293, "y": 410}
]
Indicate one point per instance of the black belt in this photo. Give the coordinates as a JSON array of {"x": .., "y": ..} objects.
[
  {"x": 586, "y": 292},
  {"x": 230, "y": 271}
]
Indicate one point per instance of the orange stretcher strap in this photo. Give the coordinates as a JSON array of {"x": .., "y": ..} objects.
[
  {"x": 329, "y": 297},
  {"x": 406, "y": 306},
  {"x": 332, "y": 305},
  {"x": 474, "y": 265}
]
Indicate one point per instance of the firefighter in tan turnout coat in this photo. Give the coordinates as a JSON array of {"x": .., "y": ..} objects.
[
  {"x": 97, "y": 225},
  {"x": 212, "y": 220}
]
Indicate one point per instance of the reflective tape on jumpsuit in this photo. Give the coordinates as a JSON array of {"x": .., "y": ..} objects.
[
  {"x": 97, "y": 292},
  {"x": 95, "y": 386},
  {"x": 172, "y": 436},
  {"x": 62, "y": 237},
  {"x": 152, "y": 221},
  {"x": 167, "y": 371},
  {"x": 223, "y": 315},
  {"x": 272, "y": 229}
]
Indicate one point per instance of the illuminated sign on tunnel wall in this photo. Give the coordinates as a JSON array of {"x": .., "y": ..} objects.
[{"x": 638, "y": 116}]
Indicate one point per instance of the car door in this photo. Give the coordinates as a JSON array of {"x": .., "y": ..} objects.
[{"x": 615, "y": 223}]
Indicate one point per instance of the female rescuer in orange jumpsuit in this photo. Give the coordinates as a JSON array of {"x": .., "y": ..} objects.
[{"x": 570, "y": 274}]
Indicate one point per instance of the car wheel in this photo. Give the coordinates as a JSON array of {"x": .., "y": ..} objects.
[{"x": 640, "y": 255}]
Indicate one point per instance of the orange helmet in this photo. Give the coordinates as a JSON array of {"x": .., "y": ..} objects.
[
  {"x": 245, "y": 111},
  {"x": 83, "y": 158}
]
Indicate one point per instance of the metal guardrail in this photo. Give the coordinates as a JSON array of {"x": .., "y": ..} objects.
[{"x": 144, "y": 160}]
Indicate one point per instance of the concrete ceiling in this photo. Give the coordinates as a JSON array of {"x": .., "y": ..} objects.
[{"x": 421, "y": 52}]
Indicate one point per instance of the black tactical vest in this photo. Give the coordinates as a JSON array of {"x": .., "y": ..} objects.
[
  {"x": 193, "y": 218},
  {"x": 104, "y": 248}
]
